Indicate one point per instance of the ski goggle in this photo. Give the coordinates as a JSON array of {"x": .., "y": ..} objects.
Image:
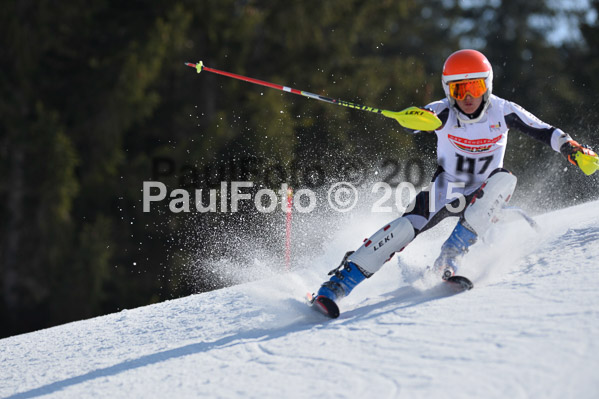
[{"x": 474, "y": 87}]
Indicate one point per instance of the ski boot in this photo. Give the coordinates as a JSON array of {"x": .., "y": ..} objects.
[
  {"x": 453, "y": 250},
  {"x": 344, "y": 279}
]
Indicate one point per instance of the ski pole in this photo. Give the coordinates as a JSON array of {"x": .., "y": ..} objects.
[{"x": 412, "y": 117}]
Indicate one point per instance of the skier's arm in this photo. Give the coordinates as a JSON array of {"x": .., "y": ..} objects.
[
  {"x": 579, "y": 155},
  {"x": 517, "y": 117}
]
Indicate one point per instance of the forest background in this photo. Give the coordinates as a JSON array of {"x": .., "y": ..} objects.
[{"x": 95, "y": 99}]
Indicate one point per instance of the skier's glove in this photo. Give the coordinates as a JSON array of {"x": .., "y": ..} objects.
[{"x": 581, "y": 156}]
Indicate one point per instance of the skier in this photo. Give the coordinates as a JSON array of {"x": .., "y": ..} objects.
[{"x": 470, "y": 181}]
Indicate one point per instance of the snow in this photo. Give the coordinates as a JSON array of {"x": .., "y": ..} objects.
[{"x": 528, "y": 329}]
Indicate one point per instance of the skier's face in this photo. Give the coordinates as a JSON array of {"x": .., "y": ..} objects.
[{"x": 469, "y": 104}]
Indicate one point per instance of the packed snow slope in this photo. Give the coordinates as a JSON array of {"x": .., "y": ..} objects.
[{"x": 528, "y": 329}]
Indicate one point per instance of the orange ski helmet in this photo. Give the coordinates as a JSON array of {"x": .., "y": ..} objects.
[{"x": 466, "y": 65}]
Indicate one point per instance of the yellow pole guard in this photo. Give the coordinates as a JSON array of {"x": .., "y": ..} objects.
[
  {"x": 587, "y": 163},
  {"x": 415, "y": 118}
]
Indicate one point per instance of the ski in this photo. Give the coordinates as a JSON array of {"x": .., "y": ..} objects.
[
  {"x": 324, "y": 305},
  {"x": 462, "y": 282}
]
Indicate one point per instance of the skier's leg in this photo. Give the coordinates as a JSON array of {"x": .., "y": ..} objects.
[
  {"x": 380, "y": 247},
  {"x": 368, "y": 259},
  {"x": 478, "y": 216}
]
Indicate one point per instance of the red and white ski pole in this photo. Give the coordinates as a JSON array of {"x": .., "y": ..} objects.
[{"x": 412, "y": 118}]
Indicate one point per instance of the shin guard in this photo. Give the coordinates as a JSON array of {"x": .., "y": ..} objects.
[
  {"x": 488, "y": 201},
  {"x": 379, "y": 248}
]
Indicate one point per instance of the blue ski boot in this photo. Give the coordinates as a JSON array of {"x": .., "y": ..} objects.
[
  {"x": 453, "y": 250},
  {"x": 344, "y": 279}
]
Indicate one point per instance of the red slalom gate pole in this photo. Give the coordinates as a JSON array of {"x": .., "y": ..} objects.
[{"x": 288, "y": 211}]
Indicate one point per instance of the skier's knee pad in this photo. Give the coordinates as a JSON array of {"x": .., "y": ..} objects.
[
  {"x": 379, "y": 248},
  {"x": 488, "y": 200}
]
